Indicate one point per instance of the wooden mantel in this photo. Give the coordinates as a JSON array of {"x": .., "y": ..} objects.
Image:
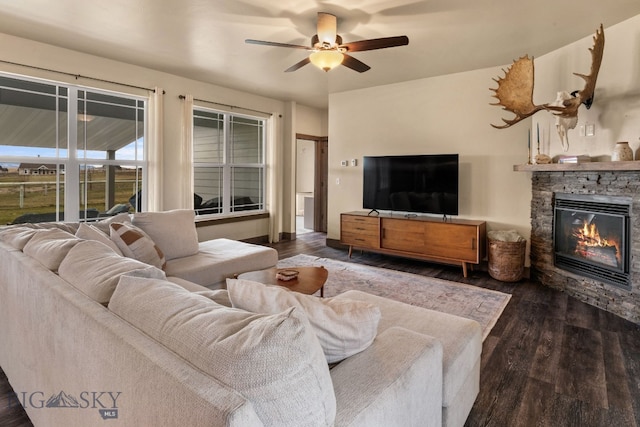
[{"x": 588, "y": 166}]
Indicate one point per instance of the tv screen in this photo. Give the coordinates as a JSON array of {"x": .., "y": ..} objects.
[{"x": 417, "y": 183}]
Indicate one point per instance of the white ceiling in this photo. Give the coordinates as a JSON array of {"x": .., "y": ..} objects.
[{"x": 204, "y": 39}]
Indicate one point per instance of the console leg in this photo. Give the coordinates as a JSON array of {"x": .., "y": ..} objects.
[
  {"x": 464, "y": 269},
  {"x": 350, "y": 250}
]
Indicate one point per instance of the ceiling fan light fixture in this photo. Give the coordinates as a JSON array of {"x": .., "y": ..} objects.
[{"x": 326, "y": 59}]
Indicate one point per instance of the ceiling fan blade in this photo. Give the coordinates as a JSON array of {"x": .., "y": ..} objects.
[
  {"x": 373, "y": 44},
  {"x": 354, "y": 64},
  {"x": 298, "y": 65},
  {"x": 265, "y": 43},
  {"x": 327, "y": 28}
]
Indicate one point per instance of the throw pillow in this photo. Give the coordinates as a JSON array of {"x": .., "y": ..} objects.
[
  {"x": 274, "y": 361},
  {"x": 94, "y": 268},
  {"x": 104, "y": 224},
  {"x": 90, "y": 232},
  {"x": 173, "y": 231},
  {"x": 134, "y": 243},
  {"x": 343, "y": 327},
  {"x": 49, "y": 247}
]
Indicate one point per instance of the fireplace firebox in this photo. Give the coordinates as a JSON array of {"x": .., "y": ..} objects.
[{"x": 591, "y": 236}]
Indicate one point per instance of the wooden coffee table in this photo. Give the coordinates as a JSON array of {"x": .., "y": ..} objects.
[{"x": 309, "y": 281}]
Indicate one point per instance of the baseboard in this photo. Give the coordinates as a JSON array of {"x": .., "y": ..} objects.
[
  {"x": 257, "y": 240},
  {"x": 288, "y": 236},
  {"x": 335, "y": 243}
]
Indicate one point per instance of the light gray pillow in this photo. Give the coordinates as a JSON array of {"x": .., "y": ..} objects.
[
  {"x": 173, "y": 231},
  {"x": 103, "y": 225},
  {"x": 94, "y": 268},
  {"x": 275, "y": 361},
  {"x": 90, "y": 232},
  {"x": 50, "y": 247},
  {"x": 344, "y": 327}
]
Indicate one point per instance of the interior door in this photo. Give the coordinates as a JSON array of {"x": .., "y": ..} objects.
[{"x": 320, "y": 185}]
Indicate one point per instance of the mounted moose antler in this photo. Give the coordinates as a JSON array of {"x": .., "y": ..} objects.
[{"x": 515, "y": 90}]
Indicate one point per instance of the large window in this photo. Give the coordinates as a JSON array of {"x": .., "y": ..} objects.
[
  {"x": 229, "y": 162},
  {"x": 68, "y": 152}
]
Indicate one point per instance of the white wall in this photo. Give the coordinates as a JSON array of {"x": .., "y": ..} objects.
[
  {"x": 311, "y": 121},
  {"x": 616, "y": 108},
  {"x": 451, "y": 114}
]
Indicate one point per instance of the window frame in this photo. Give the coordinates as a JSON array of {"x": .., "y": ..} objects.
[
  {"x": 227, "y": 165},
  {"x": 67, "y": 158}
]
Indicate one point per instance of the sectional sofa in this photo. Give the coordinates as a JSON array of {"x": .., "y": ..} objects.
[{"x": 116, "y": 322}]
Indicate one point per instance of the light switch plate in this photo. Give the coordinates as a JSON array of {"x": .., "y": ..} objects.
[{"x": 590, "y": 129}]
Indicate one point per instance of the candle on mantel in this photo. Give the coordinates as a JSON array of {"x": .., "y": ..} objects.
[{"x": 529, "y": 147}]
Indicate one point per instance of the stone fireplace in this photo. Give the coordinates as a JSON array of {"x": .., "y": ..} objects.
[
  {"x": 585, "y": 234},
  {"x": 591, "y": 236}
]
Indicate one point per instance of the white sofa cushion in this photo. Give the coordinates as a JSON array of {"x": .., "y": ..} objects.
[
  {"x": 173, "y": 231},
  {"x": 219, "y": 259},
  {"x": 275, "y": 361},
  {"x": 134, "y": 243},
  {"x": 343, "y": 327},
  {"x": 91, "y": 232},
  {"x": 219, "y": 296},
  {"x": 17, "y": 237},
  {"x": 95, "y": 269},
  {"x": 50, "y": 247},
  {"x": 461, "y": 340}
]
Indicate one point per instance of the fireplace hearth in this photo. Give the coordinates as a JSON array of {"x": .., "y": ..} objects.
[
  {"x": 591, "y": 236},
  {"x": 597, "y": 259}
]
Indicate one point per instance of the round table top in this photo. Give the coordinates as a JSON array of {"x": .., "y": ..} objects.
[{"x": 309, "y": 280}]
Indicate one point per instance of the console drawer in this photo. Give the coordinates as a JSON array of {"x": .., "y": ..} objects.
[{"x": 360, "y": 231}]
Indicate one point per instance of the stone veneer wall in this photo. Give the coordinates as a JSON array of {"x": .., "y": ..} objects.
[{"x": 610, "y": 183}]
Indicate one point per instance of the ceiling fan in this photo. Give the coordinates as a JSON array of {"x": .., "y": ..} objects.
[{"x": 328, "y": 51}]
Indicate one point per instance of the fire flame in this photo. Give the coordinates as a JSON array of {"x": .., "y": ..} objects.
[
  {"x": 592, "y": 237},
  {"x": 589, "y": 236}
]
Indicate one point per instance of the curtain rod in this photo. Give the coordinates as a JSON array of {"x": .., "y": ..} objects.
[
  {"x": 78, "y": 76},
  {"x": 227, "y": 105}
]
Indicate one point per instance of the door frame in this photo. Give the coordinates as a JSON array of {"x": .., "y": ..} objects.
[{"x": 320, "y": 179}]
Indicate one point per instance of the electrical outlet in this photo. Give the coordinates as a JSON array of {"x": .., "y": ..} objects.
[{"x": 344, "y": 163}]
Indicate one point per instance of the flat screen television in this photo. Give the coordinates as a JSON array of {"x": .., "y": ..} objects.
[{"x": 412, "y": 183}]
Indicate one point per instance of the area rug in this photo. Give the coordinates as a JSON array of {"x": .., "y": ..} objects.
[{"x": 482, "y": 305}]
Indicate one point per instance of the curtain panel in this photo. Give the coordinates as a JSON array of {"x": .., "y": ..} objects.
[
  {"x": 274, "y": 179},
  {"x": 155, "y": 147},
  {"x": 186, "y": 153}
]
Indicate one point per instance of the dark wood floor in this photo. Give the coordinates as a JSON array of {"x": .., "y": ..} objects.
[{"x": 550, "y": 360}]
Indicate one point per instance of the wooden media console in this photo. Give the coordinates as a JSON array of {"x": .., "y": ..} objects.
[{"x": 456, "y": 241}]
